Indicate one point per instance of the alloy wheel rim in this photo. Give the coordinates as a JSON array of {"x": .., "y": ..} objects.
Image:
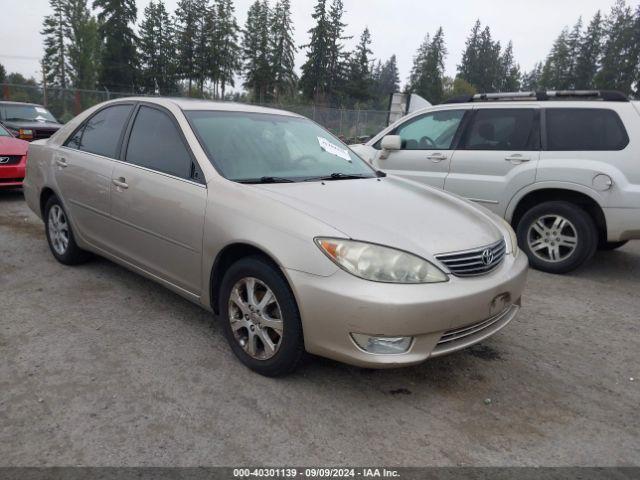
[
  {"x": 58, "y": 230},
  {"x": 256, "y": 318},
  {"x": 552, "y": 238}
]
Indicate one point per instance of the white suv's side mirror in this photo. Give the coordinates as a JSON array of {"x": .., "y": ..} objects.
[{"x": 389, "y": 144}]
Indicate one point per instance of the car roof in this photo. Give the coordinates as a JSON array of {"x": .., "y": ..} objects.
[{"x": 190, "y": 104}]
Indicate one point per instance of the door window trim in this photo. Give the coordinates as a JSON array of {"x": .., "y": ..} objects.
[
  {"x": 127, "y": 137},
  {"x": 88, "y": 119}
]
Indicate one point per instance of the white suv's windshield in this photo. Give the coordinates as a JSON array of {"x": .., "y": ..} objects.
[{"x": 257, "y": 147}]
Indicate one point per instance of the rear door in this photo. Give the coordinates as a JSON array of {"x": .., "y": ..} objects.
[
  {"x": 428, "y": 143},
  {"x": 497, "y": 156},
  {"x": 83, "y": 167},
  {"x": 158, "y": 200}
]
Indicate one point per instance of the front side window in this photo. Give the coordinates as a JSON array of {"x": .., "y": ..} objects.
[
  {"x": 433, "y": 131},
  {"x": 250, "y": 146},
  {"x": 155, "y": 143},
  {"x": 101, "y": 133},
  {"x": 503, "y": 129},
  {"x": 583, "y": 129}
]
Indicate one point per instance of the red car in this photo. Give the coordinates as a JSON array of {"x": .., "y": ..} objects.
[{"x": 13, "y": 159}]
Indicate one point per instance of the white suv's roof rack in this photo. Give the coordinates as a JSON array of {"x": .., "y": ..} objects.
[{"x": 606, "y": 95}]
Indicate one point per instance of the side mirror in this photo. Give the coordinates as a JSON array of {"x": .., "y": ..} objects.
[{"x": 389, "y": 144}]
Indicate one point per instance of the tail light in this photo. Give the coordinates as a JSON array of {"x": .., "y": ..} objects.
[{"x": 25, "y": 134}]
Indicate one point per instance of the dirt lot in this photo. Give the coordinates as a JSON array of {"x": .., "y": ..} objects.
[{"x": 102, "y": 367}]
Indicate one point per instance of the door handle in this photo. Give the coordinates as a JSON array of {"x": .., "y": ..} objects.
[
  {"x": 62, "y": 162},
  {"x": 120, "y": 182},
  {"x": 437, "y": 157},
  {"x": 516, "y": 158}
]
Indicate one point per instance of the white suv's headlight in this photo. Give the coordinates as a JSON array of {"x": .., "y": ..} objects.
[{"x": 378, "y": 263}]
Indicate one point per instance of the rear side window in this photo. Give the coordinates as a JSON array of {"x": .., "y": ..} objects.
[
  {"x": 503, "y": 129},
  {"x": 583, "y": 129},
  {"x": 156, "y": 143},
  {"x": 101, "y": 134}
]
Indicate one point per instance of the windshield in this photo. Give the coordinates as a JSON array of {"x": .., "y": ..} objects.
[
  {"x": 29, "y": 113},
  {"x": 253, "y": 146},
  {"x": 4, "y": 132}
]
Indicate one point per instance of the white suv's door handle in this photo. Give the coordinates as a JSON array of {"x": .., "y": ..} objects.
[
  {"x": 62, "y": 162},
  {"x": 120, "y": 182},
  {"x": 437, "y": 157},
  {"x": 517, "y": 158}
]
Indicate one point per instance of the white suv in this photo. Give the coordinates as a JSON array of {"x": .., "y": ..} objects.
[{"x": 562, "y": 167}]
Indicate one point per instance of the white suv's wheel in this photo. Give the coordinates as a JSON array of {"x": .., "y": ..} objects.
[{"x": 557, "y": 236}]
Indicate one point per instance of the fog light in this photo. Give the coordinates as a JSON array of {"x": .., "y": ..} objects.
[{"x": 382, "y": 345}]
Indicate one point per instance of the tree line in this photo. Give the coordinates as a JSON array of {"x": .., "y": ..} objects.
[{"x": 201, "y": 50}]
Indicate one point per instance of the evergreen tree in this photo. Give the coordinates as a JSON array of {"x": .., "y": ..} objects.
[
  {"x": 55, "y": 30},
  {"x": 470, "y": 69},
  {"x": 482, "y": 64},
  {"x": 386, "y": 78},
  {"x": 574, "y": 41},
  {"x": 157, "y": 50},
  {"x": 587, "y": 62},
  {"x": 428, "y": 72},
  {"x": 118, "y": 56},
  {"x": 455, "y": 87},
  {"x": 419, "y": 61},
  {"x": 557, "y": 68},
  {"x": 3, "y": 73},
  {"x": 84, "y": 45},
  {"x": 225, "y": 47},
  {"x": 510, "y": 76},
  {"x": 531, "y": 80},
  {"x": 315, "y": 76},
  {"x": 187, "y": 34},
  {"x": 620, "y": 50},
  {"x": 359, "y": 81},
  {"x": 489, "y": 57},
  {"x": 283, "y": 50},
  {"x": 255, "y": 46},
  {"x": 339, "y": 61}
]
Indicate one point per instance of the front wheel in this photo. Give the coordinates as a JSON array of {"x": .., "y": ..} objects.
[
  {"x": 557, "y": 236},
  {"x": 261, "y": 318}
]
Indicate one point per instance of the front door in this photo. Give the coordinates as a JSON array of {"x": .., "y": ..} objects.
[
  {"x": 157, "y": 203},
  {"x": 497, "y": 156},
  {"x": 427, "y": 147}
]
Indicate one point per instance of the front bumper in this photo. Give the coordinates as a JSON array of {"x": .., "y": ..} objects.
[
  {"x": 12, "y": 176},
  {"x": 441, "y": 317}
]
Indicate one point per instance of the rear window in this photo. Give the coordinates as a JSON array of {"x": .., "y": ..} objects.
[{"x": 584, "y": 129}]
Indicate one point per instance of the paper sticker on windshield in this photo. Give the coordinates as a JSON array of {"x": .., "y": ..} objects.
[
  {"x": 41, "y": 110},
  {"x": 329, "y": 147}
]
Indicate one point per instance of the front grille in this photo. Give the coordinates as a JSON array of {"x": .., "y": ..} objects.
[
  {"x": 474, "y": 262},
  {"x": 9, "y": 160},
  {"x": 476, "y": 328},
  {"x": 41, "y": 133}
]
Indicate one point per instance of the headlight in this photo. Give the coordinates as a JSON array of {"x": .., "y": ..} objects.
[
  {"x": 379, "y": 264},
  {"x": 512, "y": 237}
]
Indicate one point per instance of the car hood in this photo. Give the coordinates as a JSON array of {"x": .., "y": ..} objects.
[
  {"x": 13, "y": 146},
  {"x": 391, "y": 211},
  {"x": 15, "y": 125}
]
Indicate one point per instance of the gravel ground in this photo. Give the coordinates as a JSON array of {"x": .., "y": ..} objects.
[{"x": 102, "y": 367}]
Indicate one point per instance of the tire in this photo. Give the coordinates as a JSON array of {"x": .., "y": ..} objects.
[
  {"x": 608, "y": 246},
  {"x": 539, "y": 231},
  {"x": 250, "y": 326},
  {"x": 60, "y": 236}
]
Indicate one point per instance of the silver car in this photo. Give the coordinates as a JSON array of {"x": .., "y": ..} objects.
[{"x": 269, "y": 221}]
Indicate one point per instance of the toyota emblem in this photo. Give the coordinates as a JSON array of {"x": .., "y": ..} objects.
[{"x": 487, "y": 256}]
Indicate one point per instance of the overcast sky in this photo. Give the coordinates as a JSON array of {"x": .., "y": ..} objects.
[{"x": 397, "y": 26}]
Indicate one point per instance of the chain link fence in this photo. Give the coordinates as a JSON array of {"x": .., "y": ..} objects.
[{"x": 353, "y": 126}]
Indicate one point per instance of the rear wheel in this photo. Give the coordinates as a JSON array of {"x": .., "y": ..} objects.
[
  {"x": 608, "y": 246},
  {"x": 557, "y": 236},
  {"x": 60, "y": 234},
  {"x": 260, "y": 317}
]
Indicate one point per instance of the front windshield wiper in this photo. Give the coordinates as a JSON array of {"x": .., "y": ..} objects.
[
  {"x": 266, "y": 180},
  {"x": 337, "y": 176}
]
